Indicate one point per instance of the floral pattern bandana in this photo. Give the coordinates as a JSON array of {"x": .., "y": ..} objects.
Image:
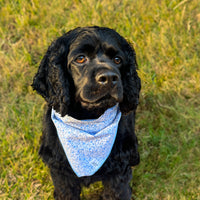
[{"x": 87, "y": 143}]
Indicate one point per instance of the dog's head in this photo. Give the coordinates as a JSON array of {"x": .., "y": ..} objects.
[{"x": 89, "y": 69}]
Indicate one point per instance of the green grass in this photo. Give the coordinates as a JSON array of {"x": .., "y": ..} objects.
[{"x": 166, "y": 36}]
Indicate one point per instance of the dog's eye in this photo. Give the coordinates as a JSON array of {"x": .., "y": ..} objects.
[
  {"x": 81, "y": 59},
  {"x": 117, "y": 60}
]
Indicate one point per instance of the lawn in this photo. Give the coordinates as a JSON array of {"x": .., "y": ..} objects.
[{"x": 166, "y": 37}]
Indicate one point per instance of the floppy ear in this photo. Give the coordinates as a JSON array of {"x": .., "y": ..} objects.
[
  {"x": 52, "y": 81},
  {"x": 131, "y": 83}
]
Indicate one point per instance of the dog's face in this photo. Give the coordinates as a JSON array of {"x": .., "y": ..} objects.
[
  {"x": 89, "y": 69},
  {"x": 94, "y": 62}
]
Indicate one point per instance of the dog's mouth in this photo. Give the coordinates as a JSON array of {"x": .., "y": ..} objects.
[
  {"x": 99, "y": 99},
  {"x": 103, "y": 102}
]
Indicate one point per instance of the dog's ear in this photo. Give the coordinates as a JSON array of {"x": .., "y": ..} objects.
[
  {"x": 52, "y": 81},
  {"x": 131, "y": 82}
]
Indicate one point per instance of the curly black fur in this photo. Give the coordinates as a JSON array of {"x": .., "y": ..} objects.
[{"x": 84, "y": 91}]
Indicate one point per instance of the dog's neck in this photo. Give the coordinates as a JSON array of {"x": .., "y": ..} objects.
[{"x": 78, "y": 112}]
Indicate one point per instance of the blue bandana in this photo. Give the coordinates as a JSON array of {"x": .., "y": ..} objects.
[{"x": 87, "y": 143}]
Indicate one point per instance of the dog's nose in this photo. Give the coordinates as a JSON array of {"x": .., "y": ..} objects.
[{"x": 107, "y": 78}]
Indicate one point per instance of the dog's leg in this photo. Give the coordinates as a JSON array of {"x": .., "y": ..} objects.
[
  {"x": 65, "y": 188},
  {"x": 117, "y": 188}
]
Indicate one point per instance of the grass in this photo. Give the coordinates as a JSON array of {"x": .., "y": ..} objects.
[{"x": 166, "y": 36}]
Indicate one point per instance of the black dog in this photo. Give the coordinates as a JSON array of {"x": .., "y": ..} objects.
[{"x": 85, "y": 72}]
